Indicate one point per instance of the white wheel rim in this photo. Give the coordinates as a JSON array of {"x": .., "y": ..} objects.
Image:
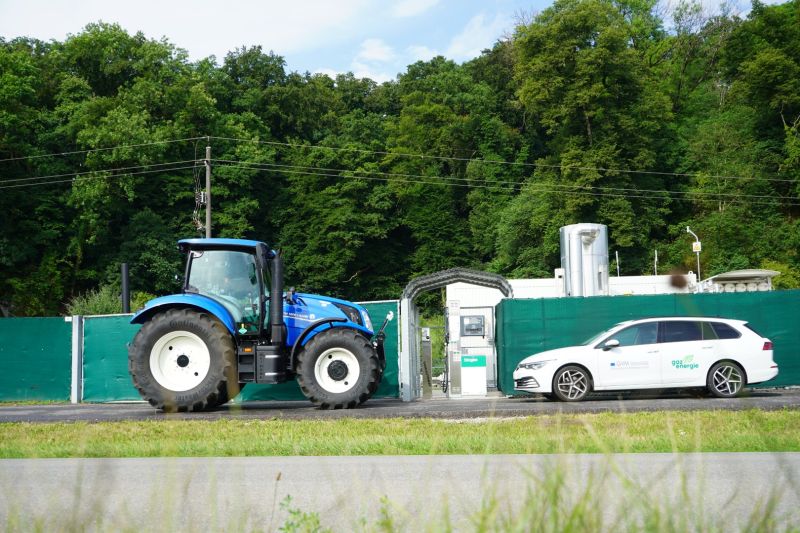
[
  {"x": 331, "y": 375},
  {"x": 572, "y": 384},
  {"x": 179, "y": 361},
  {"x": 728, "y": 380}
]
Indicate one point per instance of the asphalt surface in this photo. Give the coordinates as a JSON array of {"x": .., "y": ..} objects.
[
  {"x": 702, "y": 492},
  {"x": 490, "y": 407}
]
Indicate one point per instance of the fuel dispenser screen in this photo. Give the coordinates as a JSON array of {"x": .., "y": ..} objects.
[{"x": 472, "y": 326}]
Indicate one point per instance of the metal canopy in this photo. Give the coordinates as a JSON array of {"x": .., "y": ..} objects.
[
  {"x": 454, "y": 275},
  {"x": 409, "y": 316},
  {"x": 745, "y": 275}
]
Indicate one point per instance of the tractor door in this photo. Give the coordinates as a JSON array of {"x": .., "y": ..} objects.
[{"x": 232, "y": 278}]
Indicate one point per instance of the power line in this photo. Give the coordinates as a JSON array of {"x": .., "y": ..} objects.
[
  {"x": 536, "y": 187},
  {"x": 478, "y": 183},
  {"x": 509, "y": 163},
  {"x": 99, "y": 149},
  {"x": 108, "y": 175},
  {"x": 2, "y": 181}
]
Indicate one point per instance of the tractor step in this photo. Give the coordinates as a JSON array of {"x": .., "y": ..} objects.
[{"x": 261, "y": 364}]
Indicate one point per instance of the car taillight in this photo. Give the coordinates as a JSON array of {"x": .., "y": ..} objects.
[{"x": 767, "y": 345}]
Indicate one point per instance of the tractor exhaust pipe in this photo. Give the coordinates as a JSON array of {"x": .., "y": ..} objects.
[{"x": 276, "y": 302}]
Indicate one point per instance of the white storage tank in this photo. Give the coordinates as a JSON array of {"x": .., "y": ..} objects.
[{"x": 584, "y": 258}]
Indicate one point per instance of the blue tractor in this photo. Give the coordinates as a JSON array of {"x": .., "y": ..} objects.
[{"x": 232, "y": 324}]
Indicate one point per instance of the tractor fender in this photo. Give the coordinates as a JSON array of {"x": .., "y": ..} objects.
[
  {"x": 313, "y": 329},
  {"x": 196, "y": 301}
]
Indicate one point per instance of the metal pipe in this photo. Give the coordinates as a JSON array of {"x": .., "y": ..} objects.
[
  {"x": 276, "y": 302},
  {"x": 697, "y": 240},
  {"x": 126, "y": 291}
]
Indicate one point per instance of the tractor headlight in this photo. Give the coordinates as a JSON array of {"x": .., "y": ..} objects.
[
  {"x": 352, "y": 314},
  {"x": 367, "y": 321},
  {"x": 533, "y": 365}
]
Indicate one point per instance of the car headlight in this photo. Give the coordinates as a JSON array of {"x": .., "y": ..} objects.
[
  {"x": 367, "y": 321},
  {"x": 533, "y": 365}
]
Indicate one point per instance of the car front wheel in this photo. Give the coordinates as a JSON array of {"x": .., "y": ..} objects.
[{"x": 572, "y": 384}]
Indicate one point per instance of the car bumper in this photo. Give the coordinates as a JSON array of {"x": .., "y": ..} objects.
[
  {"x": 762, "y": 375},
  {"x": 532, "y": 381}
]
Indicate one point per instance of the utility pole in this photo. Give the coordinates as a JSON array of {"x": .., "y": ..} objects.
[{"x": 208, "y": 189}]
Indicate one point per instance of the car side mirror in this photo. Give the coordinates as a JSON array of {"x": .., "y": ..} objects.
[{"x": 610, "y": 343}]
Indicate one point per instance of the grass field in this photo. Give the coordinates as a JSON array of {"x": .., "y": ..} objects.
[{"x": 703, "y": 431}]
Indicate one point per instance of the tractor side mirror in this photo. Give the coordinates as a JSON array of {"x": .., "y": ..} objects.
[{"x": 290, "y": 299}]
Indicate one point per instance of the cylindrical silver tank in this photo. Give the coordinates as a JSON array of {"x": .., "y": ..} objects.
[{"x": 584, "y": 258}]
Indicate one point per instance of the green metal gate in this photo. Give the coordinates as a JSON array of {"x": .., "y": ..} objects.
[{"x": 35, "y": 359}]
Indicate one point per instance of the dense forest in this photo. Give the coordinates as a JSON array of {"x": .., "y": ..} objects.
[{"x": 608, "y": 111}]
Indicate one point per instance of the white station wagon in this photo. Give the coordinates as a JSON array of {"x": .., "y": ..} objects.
[{"x": 720, "y": 354}]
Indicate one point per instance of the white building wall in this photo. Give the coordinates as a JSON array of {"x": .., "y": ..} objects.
[
  {"x": 474, "y": 296},
  {"x": 630, "y": 285}
]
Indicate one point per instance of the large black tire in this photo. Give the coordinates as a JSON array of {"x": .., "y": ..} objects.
[
  {"x": 183, "y": 360},
  {"x": 338, "y": 369}
]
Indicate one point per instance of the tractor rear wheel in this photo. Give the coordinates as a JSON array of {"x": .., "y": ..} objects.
[
  {"x": 183, "y": 360},
  {"x": 338, "y": 369}
]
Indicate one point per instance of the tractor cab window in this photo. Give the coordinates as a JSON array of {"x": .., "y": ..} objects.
[{"x": 230, "y": 278}]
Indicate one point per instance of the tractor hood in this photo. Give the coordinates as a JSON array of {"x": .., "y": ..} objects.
[
  {"x": 313, "y": 307},
  {"x": 307, "y": 309}
]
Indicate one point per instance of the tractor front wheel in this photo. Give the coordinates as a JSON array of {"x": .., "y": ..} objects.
[
  {"x": 338, "y": 368},
  {"x": 183, "y": 360}
]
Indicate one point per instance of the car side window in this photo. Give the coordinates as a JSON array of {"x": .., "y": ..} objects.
[
  {"x": 638, "y": 334},
  {"x": 724, "y": 331},
  {"x": 681, "y": 331},
  {"x": 708, "y": 331}
]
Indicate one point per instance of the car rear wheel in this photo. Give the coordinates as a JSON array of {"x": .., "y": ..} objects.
[
  {"x": 725, "y": 379},
  {"x": 572, "y": 384}
]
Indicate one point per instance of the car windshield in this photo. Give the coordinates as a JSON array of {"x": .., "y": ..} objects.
[{"x": 598, "y": 336}]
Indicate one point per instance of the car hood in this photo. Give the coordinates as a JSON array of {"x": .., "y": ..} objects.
[{"x": 551, "y": 354}]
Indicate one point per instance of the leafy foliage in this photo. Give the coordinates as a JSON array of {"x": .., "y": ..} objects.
[{"x": 593, "y": 111}]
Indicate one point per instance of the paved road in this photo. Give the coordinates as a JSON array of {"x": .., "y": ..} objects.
[
  {"x": 766, "y": 399},
  {"x": 694, "y": 491}
]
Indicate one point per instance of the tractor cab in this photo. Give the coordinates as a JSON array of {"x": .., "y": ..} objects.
[{"x": 233, "y": 275}]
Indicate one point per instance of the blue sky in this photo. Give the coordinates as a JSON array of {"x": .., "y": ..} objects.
[{"x": 371, "y": 38}]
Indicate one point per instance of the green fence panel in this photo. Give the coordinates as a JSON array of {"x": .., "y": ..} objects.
[
  {"x": 390, "y": 384},
  {"x": 105, "y": 358},
  {"x": 35, "y": 358},
  {"x": 525, "y": 327},
  {"x": 105, "y": 361}
]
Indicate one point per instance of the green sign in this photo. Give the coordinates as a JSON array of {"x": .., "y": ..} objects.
[{"x": 473, "y": 360}]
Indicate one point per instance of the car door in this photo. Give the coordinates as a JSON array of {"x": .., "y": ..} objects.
[
  {"x": 634, "y": 363},
  {"x": 685, "y": 353}
]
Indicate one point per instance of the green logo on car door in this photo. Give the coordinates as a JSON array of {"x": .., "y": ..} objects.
[{"x": 686, "y": 363}]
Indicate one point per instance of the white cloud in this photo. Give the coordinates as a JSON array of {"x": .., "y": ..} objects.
[
  {"x": 411, "y": 8},
  {"x": 375, "y": 50},
  {"x": 420, "y": 53},
  {"x": 285, "y": 27},
  {"x": 362, "y": 70},
  {"x": 328, "y": 71},
  {"x": 477, "y": 35}
]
